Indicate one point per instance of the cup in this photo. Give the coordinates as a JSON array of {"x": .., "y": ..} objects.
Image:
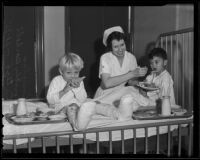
[
  {"x": 13, "y": 108},
  {"x": 21, "y": 107}
]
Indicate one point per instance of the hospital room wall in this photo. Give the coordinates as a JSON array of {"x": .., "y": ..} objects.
[
  {"x": 54, "y": 38},
  {"x": 150, "y": 21}
]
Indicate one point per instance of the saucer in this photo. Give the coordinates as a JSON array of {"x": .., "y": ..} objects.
[{"x": 179, "y": 112}]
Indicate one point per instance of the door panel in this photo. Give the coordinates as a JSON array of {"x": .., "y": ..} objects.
[{"x": 18, "y": 70}]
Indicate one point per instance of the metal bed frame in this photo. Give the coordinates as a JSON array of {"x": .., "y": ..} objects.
[{"x": 170, "y": 135}]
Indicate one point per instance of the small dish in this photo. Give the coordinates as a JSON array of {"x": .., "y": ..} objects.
[
  {"x": 179, "y": 112},
  {"x": 147, "y": 86}
]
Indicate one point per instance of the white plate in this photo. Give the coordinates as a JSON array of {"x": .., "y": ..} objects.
[
  {"x": 179, "y": 111},
  {"x": 22, "y": 119},
  {"x": 142, "y": 85}
]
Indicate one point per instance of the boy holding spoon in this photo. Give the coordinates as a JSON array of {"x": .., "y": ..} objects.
[{"x": 159, "y": 77}]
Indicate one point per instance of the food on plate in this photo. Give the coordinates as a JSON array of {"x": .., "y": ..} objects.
[
  {"x": 31, "y": 114},
  {"x": 75, "y": 80},
  {"x": 179, "y": 111},
  {"x": 148, "y": 85},
  {"x": 50, "y": 113},
  {"x": 145, "y": 113},
  {"x": 38, "y": 118}
]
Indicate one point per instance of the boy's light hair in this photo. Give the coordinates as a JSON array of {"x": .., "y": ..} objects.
[{"x": 70, "y": 60}]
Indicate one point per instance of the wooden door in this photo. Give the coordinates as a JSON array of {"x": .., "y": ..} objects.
[{"x": 22, "y": 62}]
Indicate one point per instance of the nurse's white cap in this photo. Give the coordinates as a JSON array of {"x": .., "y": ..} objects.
[{"x": 108, "y": 31}]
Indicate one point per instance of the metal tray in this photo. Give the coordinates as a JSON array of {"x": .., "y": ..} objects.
[
  {"x": 9, "y": 116},
  {"x": 154, "y": 116}
]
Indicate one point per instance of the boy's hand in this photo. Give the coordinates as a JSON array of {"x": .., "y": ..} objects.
[{"x": 67, "y": 88}]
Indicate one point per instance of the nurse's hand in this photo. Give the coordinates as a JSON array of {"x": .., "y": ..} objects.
[
  {"x": 139, "y": 72},
  {"x": 133, "y": 82}
]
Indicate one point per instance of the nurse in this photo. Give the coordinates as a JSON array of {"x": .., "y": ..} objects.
[{"x": 117, "y": 66}]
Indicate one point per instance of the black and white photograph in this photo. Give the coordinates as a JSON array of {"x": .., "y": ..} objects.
[{"x": 88, "y": 80}]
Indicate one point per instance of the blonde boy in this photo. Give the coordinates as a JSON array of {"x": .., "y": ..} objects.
[{"x": 66, "y": 88}]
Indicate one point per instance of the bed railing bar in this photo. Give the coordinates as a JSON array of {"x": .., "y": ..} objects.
[
  {"x": 171, "y": 48},
  {"x": 177, "y": 67},
  {"x": 57, "y": 145},
  {"x": 105, "y": 129},
  {"x": 97, "y": 140},
  {"x": 179, "y": 140},
  {"x": 134, "y": 143},
  {"x": 175, "y": 63},
  {"x": 190, "y": 140},
  {"x": 71, "y": 144},
  {"x": 158, "y": 140},
  {"x": 146, "y": 140},
  {"x": 161, "y": 40},
  {"x": 176, "y": 32},
  {"x": 43, "y": 145},
  {"x": 29, "y": 145},
  {"x": 188, "y": 65},
  {"x": 84, "y": 143},
  {"x": 183, "y": 68},
  {"x": 166, "y": 43},
  {"x": 172, "y": 63},
  {"x": 122, "y": 140},
  {"x": 14, "y": 145},
  {"x": 168, "y": 143},
  {"x": 110, "y": 142}
]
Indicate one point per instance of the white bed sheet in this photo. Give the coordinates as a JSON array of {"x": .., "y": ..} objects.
[{"x": 98, "y": 121}]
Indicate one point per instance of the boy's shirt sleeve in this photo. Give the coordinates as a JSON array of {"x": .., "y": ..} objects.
[
  {"x": 166, "y": 87},
  {"x": 80, "y": 93},
  {"x": 53, "y": 92}
]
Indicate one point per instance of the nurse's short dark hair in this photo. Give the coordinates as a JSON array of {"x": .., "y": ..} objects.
[
  {"x": 158, "y": 52},
  {"x": 115, "y": 35}
]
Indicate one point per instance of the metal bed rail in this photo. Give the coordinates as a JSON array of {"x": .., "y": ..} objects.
[
  {"x": 44, "y": 137},
  {"x": 179, "y": 46}
]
